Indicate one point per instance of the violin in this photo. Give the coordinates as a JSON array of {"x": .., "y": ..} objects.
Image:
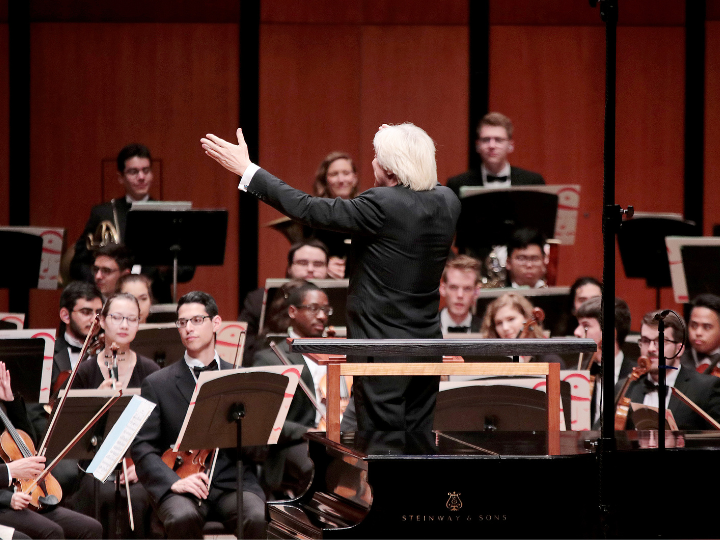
[
  {"x": 711, "y": 369},
  {"x": 186, "y": 463},
  {"x": 622, "y": 403},
  {"x": 536, "y": 318},
  {"x": 16, "y": 444}
]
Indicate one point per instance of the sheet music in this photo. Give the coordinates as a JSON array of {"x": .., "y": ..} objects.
[
  {"x": 51, "y": 253},
  {"x": 6, "y": 533},
  {"x": 18, "y": 319},
  {"x": 293, "y": 373},
  {"x": 120, "y": 437}
]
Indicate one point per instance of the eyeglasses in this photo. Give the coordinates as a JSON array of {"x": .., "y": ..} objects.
[
  {"x": 314, "y": 264},
  {"x": 532, "y": 259},
  {"x": 645, "y": 342},
  {"x": 117, "y": 318},
  {"x": 104, "y": 270},
  {"x": 134, "y": 172},
  {"x": 197, "y": 320},
  {"x": 86, "y": 311},
  {"x": 313, "y": 309}
]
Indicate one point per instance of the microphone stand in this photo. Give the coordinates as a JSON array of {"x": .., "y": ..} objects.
[{"x": 662, "y": 384}]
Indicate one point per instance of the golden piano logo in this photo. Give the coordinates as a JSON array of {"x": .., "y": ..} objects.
[{"x": 454, "y": 503}]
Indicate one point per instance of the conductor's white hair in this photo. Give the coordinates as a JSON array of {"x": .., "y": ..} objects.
[{"x": 409, "y": 153}]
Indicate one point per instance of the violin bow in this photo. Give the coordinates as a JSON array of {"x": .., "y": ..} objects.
[
  {"x": 240, "y": 345},
  {"x": 105, "y": 408},
  {"x": 71, "y": 379},
  {"x": 308, "y": 393},
  {"x": 127, "y": 491}
]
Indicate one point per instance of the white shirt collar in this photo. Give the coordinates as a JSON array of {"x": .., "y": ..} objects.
[
  {"x": 194, "y": 362},
  {"x": 72, "y": 341},
  {"x": 505, "y": 171},
  {"x": 130, "y": 200},
  {"x": 446, "y": 320}
]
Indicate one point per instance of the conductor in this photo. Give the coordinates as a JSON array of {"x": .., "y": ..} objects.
[{"x": 402, "y": 230}]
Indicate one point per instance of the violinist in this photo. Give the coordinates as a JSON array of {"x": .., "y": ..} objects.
[
  {"x": 308, "y": 309},
  {"x": 703, "y": 352},
  {"x": 704, "y": 390},
  {"x": 527, "y": 259},
  {"x": 589, "y": 314},
  {"x": 140, "y": 286},
  {"x": 184, "y": 504},
  {"x": 55, "y": 522},
  {"x": 120, "y": 368},
  {"x": 460, "y": 287},
  {"x": 506, "y": 318}
]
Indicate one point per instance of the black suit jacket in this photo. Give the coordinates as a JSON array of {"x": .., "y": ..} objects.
[
  {"x": 61, "y": 357},
  {"x": 704, "y": 390},
  {"x": 400, "y": 242},
  {"x": 252, "y": 308},
  {"x": 171, "y": 389},
  {"x": 473, "y": 177},
  {"x": 301, "y": 414}
]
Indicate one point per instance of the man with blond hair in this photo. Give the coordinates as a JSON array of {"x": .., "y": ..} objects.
[
  {"x": 460, "y": 287},
  {"x": 402, "y": 230},
  {"x": 494, "y": 144}
]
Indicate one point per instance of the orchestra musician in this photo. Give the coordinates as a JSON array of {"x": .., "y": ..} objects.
[
  {"x": 506, "y": 318},
  {"x": 307, "y": 259},
  {"x": 527, "y": 260},
  {"x": 402, "y": 231},
  {"x": 54, "y": 522},
  {"x": 336, "y": 176},
  {"x": 460, "y": 287},
  {"x": 703, "y": 352},
  {"x": 119, "y": 319},
  {"x": 308, "y": 309},
  {"x": 589, "y": 314},
  {"x": 110, "y": 262},
  {"x": 494, "y": 144},
  {"x": 134, "y": 173},
  {"x": 184, "y": 504},
  {"x": 140, "y": 286},
  {"x": 703, "y": 390}
]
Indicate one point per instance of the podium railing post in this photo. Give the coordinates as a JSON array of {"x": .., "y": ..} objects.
[{"x": 332, "y": 413}]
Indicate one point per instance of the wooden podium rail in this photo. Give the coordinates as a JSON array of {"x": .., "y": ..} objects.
[{"x": 337, "y": 366}]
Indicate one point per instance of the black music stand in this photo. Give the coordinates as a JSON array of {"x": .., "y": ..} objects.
[
  {"x": 174, "y": 237},
  {"x": 78, "y": 410},
  {"x": 238, "y": 408},
  {"x": 159, "y": 342},
  {"x": 24, "y": 360},
  {"x": 24, "y": 272},
  {"x": 489, "y": 218},
  {"x": 641, "y": 241},
  {"x": 701, "y": 265}
]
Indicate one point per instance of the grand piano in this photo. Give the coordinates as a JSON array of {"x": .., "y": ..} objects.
[{"x": 503, "y": 485}]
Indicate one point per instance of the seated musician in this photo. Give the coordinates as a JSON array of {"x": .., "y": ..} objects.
[
  {"x": 119, "y": 320},
  {"x": 53, "y": 522},
  {"x": 109, "y": 264},
  {"x": 703, "y": 352},
  {"x": 589, "y": 314},
  {"x": 305, "y": 260},
  {"x": 140, "y": 286},
  {"x": 79, "y": 303},
  {"x": 460, "y": 287},
  {"x": 184, "y": 504},
  {"x": 308, "y": 309},
  {"x": 527, "y": 260},
  {"x": 703, "y": 390},
  {"x": 505, "y": 318}
]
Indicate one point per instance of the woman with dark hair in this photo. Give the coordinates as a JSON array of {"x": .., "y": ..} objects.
[
  {"x": 584, "y": 288},
  {"x": 506, "y": 316},
  {"x": 119, "y": 319},
  {"x": 140, "y": 286},
  {"x": 336, "y": 176}
]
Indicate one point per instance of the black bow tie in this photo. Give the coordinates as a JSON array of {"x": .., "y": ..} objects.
[
  {"x": 458, "y": 329},
  {"x": 212, "y": 366},
  {"x": 649, "y": 386},
  {"x": 74, "y": 348},
  {"x": 490, "y": 178}
]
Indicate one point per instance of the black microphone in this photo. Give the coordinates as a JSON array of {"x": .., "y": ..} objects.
[{"x": 664, "y": 313}]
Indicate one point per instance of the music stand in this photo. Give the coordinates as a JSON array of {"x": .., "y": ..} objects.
[
  {"x": 159, "y": 342},
  {"x": 490, "y": 216},
  {"x": 24, "y": 272},
  {"x": 694, "y": 266},
  {"x": 80, "y": 406},
  {"x": 189, "y": 237},
  {"x": 641, "y": 241},
  {"x": 232, "y": 409},
  {"x": 24, "y": 359}
]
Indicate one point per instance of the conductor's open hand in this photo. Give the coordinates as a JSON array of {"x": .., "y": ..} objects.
[
  {"x": 234, "y": 157},
  {"x": 195, "y": 484}
]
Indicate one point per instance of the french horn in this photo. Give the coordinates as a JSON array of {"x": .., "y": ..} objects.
[{"x": 106, "y": 233}]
